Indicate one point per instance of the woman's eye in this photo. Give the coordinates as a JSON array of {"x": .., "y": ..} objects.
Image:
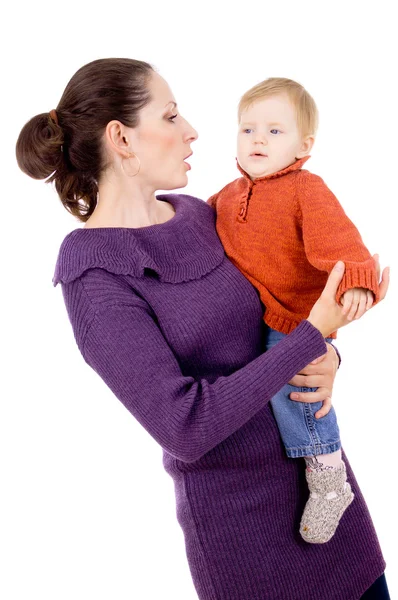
[
  {"x": 275, "y": 131},
  {"x": 172, "y": 117}
]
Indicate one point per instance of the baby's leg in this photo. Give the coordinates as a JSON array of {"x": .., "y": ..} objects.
[
  {"x": 323, "y": 461},
  {"x": 318, "y": 441}
]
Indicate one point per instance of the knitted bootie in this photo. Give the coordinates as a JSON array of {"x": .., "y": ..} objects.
[{"x": 330, "y": 494}]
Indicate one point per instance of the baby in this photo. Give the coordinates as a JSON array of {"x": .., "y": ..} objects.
[{"x": 285, "y": 230}]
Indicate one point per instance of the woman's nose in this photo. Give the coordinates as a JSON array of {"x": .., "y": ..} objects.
[
  {"x": 190, "y": 134},
  {"x": 193, "y": 134}
]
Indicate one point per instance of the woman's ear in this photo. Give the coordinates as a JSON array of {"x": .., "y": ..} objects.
[{"x": 116, "y": 138}]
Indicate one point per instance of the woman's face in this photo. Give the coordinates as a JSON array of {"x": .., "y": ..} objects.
[{"x": 162, "y": 140}]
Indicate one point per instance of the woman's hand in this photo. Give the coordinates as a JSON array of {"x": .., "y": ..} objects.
[
  {"x": 326, "y": 315},
  {"x": 321, "y": 374}
]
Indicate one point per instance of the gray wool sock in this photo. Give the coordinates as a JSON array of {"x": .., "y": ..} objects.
[{"x": 330, "y": 495}]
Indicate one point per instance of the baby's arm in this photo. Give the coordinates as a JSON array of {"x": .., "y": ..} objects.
[
  {"x": 329, "y": 235},
  {"x": 356, "y": 301}
]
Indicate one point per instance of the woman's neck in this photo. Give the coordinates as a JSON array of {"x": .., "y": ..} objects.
[{"x": 131, "y": 208}]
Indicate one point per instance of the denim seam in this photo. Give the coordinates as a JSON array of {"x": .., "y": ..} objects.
[
  {"x": 309, "y": 419},
  {"x": 299, "y": 452}
]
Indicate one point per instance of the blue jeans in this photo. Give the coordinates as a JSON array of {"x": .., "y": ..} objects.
[{"x": 302, "y": 434}]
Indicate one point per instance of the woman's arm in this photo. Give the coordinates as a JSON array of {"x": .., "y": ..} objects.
[{"x": 187, "y": 417}]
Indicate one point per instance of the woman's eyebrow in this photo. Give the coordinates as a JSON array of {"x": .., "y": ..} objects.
[{"x": 171, "y": 102}]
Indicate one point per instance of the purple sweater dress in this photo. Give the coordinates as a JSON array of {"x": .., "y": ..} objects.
[{"x": 176, "y": 332}]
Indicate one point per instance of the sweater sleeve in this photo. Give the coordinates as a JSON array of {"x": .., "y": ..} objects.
[
  {"x": 329, "y": 235},
  {"x": 186, "y": 416}
]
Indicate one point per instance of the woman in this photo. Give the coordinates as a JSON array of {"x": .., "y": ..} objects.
[{"x": 175, "y": 331}]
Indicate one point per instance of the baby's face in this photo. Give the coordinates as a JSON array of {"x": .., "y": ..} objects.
[{"x": 268, "y": 137}]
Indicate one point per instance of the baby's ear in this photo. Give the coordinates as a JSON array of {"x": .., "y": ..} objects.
[{"x": 306, "y": 146}]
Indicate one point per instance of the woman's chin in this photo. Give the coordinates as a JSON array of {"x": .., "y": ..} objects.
[{"x": 177, "y": 183}]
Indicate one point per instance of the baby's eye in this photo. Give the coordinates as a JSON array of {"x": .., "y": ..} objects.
[
  {"x": 247, "y": 130},
  {"x": 275, "y": 131}
]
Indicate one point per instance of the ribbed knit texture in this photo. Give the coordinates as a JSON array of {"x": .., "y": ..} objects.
[
  {"x": 175, "y": 331},
  {"x": 285, "y": 232}
]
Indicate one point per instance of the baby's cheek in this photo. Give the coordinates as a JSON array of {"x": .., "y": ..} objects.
[{"x": 241, "y": 155}]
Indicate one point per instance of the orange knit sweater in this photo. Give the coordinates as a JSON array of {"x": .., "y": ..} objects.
[{"x": 285, "y": 232}]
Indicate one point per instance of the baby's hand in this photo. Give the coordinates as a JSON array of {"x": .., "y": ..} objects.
[{"x": 355, "y": 302}]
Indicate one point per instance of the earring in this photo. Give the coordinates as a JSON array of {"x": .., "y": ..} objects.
[{"x": 130, "y": 155}]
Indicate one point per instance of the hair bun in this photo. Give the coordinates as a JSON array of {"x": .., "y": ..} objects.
[{"x": 39, "y": 146}]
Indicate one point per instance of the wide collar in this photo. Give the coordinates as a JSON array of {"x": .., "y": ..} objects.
[
  {"x": 293, "y": 167},
  {"x": 183, "y": 249}
]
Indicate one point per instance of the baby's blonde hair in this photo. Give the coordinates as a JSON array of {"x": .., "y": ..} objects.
[{"x": 307, "y": 112}]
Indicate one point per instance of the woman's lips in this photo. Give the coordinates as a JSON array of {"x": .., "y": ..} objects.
[{"x": 187, "y": 164}]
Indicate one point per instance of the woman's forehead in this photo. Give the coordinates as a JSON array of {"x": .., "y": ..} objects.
[{"x": 161, "y": 94}]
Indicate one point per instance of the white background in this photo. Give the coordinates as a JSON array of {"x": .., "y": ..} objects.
[{"x": 86, "y": 511}]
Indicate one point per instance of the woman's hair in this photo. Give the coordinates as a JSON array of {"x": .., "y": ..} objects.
[
  {"x": 306, "y": 110},
  {"x": 66, "y": 147}
]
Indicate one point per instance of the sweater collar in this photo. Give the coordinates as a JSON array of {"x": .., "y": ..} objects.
[
  {"x": 182, "y": 249},
  {"x": 293, "y": 167}
]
